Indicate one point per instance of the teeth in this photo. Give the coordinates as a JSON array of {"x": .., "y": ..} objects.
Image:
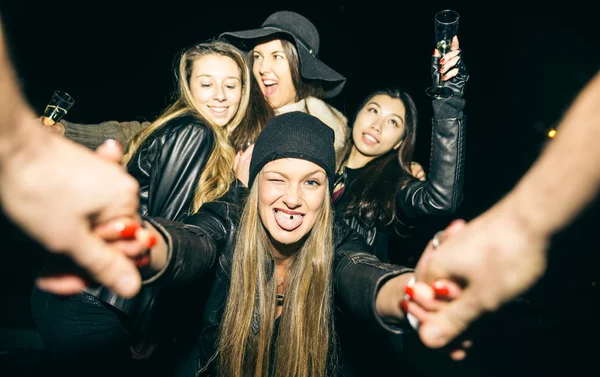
[
  {"x": 370, "y": 138},
  {"x": 269, "y": 82},
  {"x": 285, "y": 214},
  {"x": 219, "y": 109}
]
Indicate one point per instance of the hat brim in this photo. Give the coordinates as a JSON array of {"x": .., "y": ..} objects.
[{"x": 310, "y": 66}]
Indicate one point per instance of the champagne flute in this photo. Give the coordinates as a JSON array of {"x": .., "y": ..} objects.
[
  {"x": 446, "y": 27},
  {"x": 57, "y": 108}
]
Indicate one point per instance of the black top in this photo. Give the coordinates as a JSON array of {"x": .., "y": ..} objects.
[{"x": 440, "y": 194}]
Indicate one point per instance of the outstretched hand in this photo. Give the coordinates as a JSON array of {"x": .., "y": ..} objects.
[
  {"x": 79, "y": 191},
  {"x": 493, "y": 257}
]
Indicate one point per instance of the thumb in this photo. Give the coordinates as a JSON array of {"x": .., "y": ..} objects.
[
  {"x": 110, "y": 150},
  {"x": 449, "y": 322},
  {"x": 106, "y": 266}
]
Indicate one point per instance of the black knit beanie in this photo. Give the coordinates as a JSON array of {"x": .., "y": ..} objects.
[{"x": 294, "y": 135}]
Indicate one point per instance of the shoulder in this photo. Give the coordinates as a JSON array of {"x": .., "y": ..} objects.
[
  {"x": 186, "y": 126},
  {"x": 324, "y": 111},
  {"x": 187, "y": 123}
]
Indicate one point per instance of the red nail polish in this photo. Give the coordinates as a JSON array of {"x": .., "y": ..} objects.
[
  {"x": 444, "y": 78},
  {"x": 440, "y": 289},
  {"x": 434, "y": 51},
  {"x": 142, "y": 260},
  {"x": 409, "y": 291},
  {"x": 152, "y": 240},
  {"x": 442, "y": 60},
  {"x": 129, "y": 230},
  {"x": 404, "y": 306}
]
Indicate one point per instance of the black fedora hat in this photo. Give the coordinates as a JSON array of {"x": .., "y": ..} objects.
[{"x": 306, "y": 39}]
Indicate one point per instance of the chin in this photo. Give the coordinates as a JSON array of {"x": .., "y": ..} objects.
[{"x": 283, "y": 237}]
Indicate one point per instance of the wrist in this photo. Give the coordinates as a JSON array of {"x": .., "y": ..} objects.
[
  {"x": 23, "y": 142},
  {"x": 522, "y": 211},
  {"x": 389, "y": 297}
]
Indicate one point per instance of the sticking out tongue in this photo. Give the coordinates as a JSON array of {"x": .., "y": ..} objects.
[
  {"x": 270, "y": 89},
  {"x": 288, "y": 221}
]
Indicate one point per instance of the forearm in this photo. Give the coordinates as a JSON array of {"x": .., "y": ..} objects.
[
  {"x": 17, "y": 131},
  {"x": 92, "y": 135},
  {"x": 183, "y": 254},
  {"x": 358, "y": 279},
  {"x": 442, "y": 192},
  {"x": 566, "y": 176}
]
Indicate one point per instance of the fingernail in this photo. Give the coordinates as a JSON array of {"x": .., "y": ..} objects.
[
  {"x": 404, "y": 306},
  {"x": 142, "y": 260},
  {"x": 440, "y": 289},
  {"x": 152, "y": 240},
  {"x": 127, "y": 231},
  {"x": 409, "y": 291},
  {"x": 454, "y": 222},
  {"x": 444, "y": 78},
  {"x": 442, "y": 60},
  {"x": 112, "y": 142},
  {"x": 434, "y": 51}
]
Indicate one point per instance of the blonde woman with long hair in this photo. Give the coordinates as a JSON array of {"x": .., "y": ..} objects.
[
  {"x": 278, "y": 261},
  {"x": 181, "y": 160}
]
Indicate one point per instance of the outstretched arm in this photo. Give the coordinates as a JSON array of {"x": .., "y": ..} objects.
[
  {"x": 502, "y": 253},
  {"x": 56, "y": 190}
]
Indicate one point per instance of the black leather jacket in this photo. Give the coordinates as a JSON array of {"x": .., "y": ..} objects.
[
  {"x": 440, "y": 194},
  {"x": 204, "y": 245},
  {"x": 167, "y": 166}
]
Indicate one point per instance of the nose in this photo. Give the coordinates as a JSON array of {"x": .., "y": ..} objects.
[
  {"x": 292, "y": 197},
  {"x": 263, "y": 66},
  {"x": 376, "y": 126},
  {"x": 219, "y": 93}
]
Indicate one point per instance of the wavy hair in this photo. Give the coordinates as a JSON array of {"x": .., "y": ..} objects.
[{"x": 217, "y": 176}]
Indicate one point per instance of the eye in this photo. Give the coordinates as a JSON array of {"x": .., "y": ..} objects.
[
  {"x": 204, "y": 85},
  {"x": 256, "y": 56},
  {"x": 313, "y": 182},
  {"x": 373, "y": 110},
  {"x": 393, "y": 122},
  {"x": 279, "y": 56},
  {"x": 231, "y": 86}
]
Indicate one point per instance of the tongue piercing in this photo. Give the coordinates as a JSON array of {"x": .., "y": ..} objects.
[{"x": 291, "y": 217}]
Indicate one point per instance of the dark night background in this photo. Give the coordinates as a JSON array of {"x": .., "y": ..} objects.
[{"x": 526, "y": 61}]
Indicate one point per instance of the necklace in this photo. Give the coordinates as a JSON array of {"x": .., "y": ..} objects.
[{"x": 280, "y": 296}]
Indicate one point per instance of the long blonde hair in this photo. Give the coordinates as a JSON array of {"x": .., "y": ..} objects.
[
  {"x": 217, "y": 175},
  {"x": 306, "y": 325}
]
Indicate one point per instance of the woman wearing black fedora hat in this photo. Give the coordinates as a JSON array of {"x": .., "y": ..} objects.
[{"x": 284, "y": 55}]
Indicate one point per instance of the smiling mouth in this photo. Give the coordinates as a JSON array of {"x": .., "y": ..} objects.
[
  {"x": 370, "y": 138},
  {"x": 218, "y": 110}
]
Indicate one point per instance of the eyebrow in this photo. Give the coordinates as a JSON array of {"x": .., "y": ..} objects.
[
  {"x": 394, "y": 114},
  {"x": 272, "y": 52},
  {"x": 211, "y": 76},
  {"x": 286, "y": 176}
]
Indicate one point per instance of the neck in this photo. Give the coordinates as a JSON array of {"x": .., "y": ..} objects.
[{"x": 356, "y": 159}]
